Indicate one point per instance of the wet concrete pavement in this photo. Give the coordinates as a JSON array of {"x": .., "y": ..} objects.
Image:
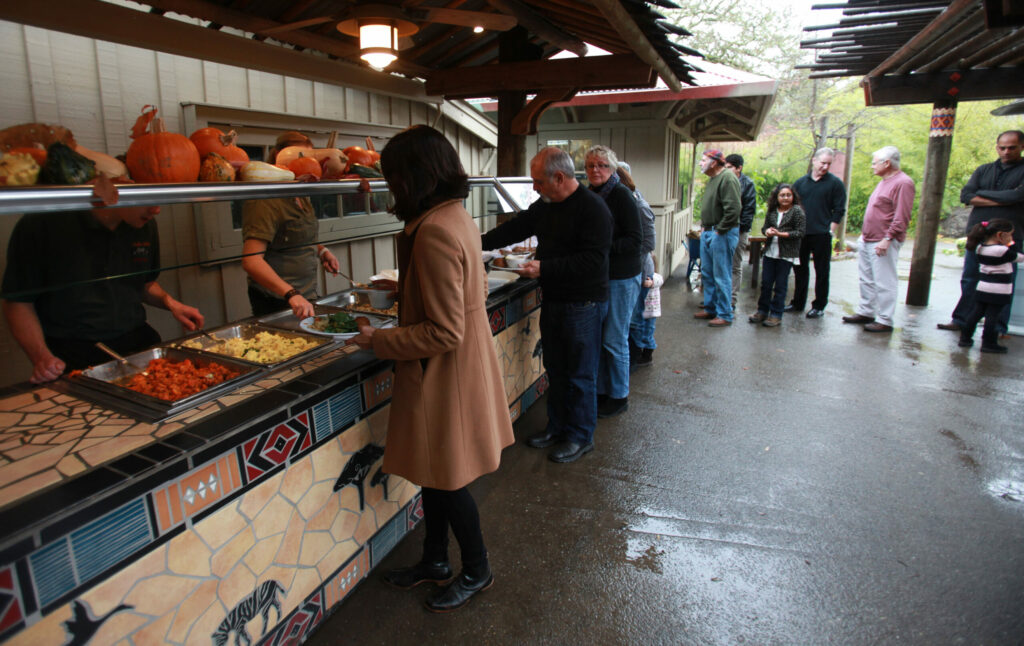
[{"x": 808, "y": 484}]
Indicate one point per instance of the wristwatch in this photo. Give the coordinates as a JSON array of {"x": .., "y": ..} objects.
[
  {"x": 888, "y": 237},
  {"x": 291, "y": 292}
]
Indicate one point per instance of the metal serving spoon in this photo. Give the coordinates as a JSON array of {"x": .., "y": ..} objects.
[{"x": 124, "y": 362}]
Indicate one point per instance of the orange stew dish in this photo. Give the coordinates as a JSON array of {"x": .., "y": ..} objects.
[{"x": 170, "y": 380}]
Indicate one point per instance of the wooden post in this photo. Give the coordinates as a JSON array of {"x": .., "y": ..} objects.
[
  {"x": 936, "y": 166},
  {"x": 847, "y": 178},
  {"x": 819, "y": 142},
  {"x": 513, "y": 46}
]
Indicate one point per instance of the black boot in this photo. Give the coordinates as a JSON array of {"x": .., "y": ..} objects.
[
  {"x": 646, "y": 357},
  {"x": 410, "y": 577},
  {"x": 634, "y": 353},
  {"x": 461, "y": 590}
]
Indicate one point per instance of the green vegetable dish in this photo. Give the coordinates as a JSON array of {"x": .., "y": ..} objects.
[{"x": 337, "y": 323}]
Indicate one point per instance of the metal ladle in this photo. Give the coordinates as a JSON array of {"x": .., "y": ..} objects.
[{"x": 124, "y": 362}]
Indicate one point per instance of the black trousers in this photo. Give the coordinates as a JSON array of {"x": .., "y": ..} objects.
[
  {"x": 991, "y": 313},
  {"x": 820, "y": 246},
  {"x": 456, "y": 509},
  {"x": 262, "y": 304}
]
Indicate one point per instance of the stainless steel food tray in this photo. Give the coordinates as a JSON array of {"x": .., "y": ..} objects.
[
  {"x": 340, "y": 300},
  {"x": 248, "y": 331},
  {"x": 99, "y": 383}
]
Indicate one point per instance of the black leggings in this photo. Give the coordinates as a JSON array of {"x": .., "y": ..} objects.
[
  {"x": 990, "y": 312},
  {"x": 457, "y": 509}
]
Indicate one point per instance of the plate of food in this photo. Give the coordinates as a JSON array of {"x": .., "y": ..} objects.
[
  {"x": 510, "y": 261},
  {"x": 342, "y": 325}
]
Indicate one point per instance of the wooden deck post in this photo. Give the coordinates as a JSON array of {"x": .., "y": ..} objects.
[{"x": 936, "y": 166}]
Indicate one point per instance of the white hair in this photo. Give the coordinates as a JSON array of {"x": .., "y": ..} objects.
[
  {"x": 823, "y": 151},
  {"x": 890, "y": 154},
  {"x": 606, "y": 153}
]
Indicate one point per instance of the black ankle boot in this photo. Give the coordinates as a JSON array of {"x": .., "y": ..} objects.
[
  {"x": 460, "y": 591},
  {"x": 424, "y": 571},
  {"x": 646, "y": 357}
]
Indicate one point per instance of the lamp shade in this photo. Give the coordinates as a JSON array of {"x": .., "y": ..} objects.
[{"x": 378, "y": 43}]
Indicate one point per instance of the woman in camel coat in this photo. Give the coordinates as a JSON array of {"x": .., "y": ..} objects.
[{"x": 449, "y": 417}]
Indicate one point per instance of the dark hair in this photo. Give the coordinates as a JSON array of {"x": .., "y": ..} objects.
[
  {"x": 1018, "y": 133},
  {"x": 626, "y": 178},
  {"x": 982, "y": 231},
  {"x": 773, "y": 199},
  {"x": 735, "y": 160},
  {"x": 422, "y": 170}
]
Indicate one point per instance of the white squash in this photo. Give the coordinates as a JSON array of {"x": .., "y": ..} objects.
[{"x": 256, "y": 171}]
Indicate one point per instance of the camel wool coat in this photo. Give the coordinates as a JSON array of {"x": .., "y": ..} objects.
[{"x": 449, "y": 416}]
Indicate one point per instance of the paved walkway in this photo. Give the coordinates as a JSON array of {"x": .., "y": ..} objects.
[{"x": 809, "y": 484}]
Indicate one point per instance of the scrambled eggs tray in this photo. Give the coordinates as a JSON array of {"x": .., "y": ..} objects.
[{"x": 263, "y": 347}]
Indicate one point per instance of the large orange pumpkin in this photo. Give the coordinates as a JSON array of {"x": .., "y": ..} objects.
[
  {"x": 306, "y": 166},
  {"x": 160, "y": 157},
  {"x": 358, "y": 155},
  {"x": 212, "y": 140}
]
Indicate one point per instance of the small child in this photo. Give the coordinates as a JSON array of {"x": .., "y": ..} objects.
[
  {"x": 641, "y": 326},
  {"x": 993, "y": 243}
]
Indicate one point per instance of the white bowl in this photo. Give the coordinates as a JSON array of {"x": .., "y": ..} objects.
[{"x": 514, "y": 260}]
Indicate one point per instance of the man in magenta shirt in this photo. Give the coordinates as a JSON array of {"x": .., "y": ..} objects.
[{"x": 882, "y": 235}]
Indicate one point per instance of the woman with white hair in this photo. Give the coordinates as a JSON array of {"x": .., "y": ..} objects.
[{"x": 624, "y": 265}]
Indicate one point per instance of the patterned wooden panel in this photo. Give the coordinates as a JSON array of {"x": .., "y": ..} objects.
[{"x": 377, "y": 389}]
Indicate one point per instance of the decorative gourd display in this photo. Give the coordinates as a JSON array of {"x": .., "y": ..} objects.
[
  {"x": 216, "y": 169},
  {"x": 286, "y": 156},
  {"x": 256, "y": 171},
  {"x": 38, "y": 153},
  {"x": 212, "y": 140},
  {"x": 65, "y": 166},
  {"x": 358, "y": 155},
  {"x": 158, "y": 156},
  {"x": 18, "y": 169},
  {"x": 306, "y": 166},
  {"x": 35, "y": 138},
  {"x": 332, "y": 167}
]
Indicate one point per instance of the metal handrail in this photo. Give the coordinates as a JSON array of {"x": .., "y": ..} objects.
[{"x": 37, "y": 199}]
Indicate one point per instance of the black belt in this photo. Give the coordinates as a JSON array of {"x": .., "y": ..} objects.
[{"x": 710, "y": 228}]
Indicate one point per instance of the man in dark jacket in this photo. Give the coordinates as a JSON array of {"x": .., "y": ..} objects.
[
  {"x": 574, "y": 234},
  {"x": 748, "y": 206},
  {"x": 823, "y": 198},
  {"x": 995, "y": 190}
]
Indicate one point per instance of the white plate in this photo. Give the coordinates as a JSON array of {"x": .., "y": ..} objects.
[
  {"x": 376, "y": 321},
  {"x": 493, "y": 266},
  {"x": 499, "y": 278}
]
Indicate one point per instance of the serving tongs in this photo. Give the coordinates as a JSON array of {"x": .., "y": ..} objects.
[{"x": 124, "y": 362}]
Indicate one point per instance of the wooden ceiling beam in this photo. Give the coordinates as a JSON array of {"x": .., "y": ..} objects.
[
  {"x": 247, "y": 22},
  {"x": 106, "y": 21},
  {"x": 525, "y": 123},
  {"x": 594, "y": 73},
  {"x": 631, "y": 33},
  {"x": 962, "y": 85},
  {"x": 541, "y": 26}
]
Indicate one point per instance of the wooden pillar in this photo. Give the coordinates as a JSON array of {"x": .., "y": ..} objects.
[
  {"x": 936, "y": 166},
  {"x": 847, "y": 178},
  {"x": 513, "y": 46}
]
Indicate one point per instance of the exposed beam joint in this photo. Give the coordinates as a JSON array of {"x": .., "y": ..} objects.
[
  {"x": 540, "y": 26},
  {"x": 632, "y": 34}
]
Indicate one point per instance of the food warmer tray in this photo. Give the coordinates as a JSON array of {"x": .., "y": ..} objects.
[
  {"x": 250, "y": 330},
  {"x": 98, "y": 383},
  {"x": 340, "y": 300}
]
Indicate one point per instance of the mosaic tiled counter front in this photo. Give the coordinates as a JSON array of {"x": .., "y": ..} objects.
[{"x": 246, "y": 520}]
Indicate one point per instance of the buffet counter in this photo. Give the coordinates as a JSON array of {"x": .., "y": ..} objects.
[{"x": 249, "y": 516}]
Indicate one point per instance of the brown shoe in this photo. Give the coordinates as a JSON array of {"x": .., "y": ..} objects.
[
  {"x": 717, "y": 322},
  {"x": 757, "y": 317},
  {"x": 951, "y": 326},
  {"x": 877, "y": 327},
  {"x": 704, "y": 314},
  {"x": 858, "y": 318},
  {"x": 771, "y": 321}
]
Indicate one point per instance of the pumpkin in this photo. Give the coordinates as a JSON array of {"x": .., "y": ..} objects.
[
  {"x": 357, "y": 155},
  {"x": 306, "y": 166},
  {"x": 212, "y": 140},
  {"x": 105, "y": 164},
  {"x": 216, "y": 169},
  {"x": 333, "y": 168},
  {"x": 291, "y": 153},
  {"x": 159, "y": 156}
]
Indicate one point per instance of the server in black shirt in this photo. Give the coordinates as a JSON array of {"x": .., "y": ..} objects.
[{"x": 574, "y": 233}]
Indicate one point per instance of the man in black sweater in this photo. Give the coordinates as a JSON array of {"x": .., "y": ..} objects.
[
  {"x": 574, "y": 234},
  {"x": 823, "y": 198},
  {"x": 748, "y": 208},
  {"x": 995, "y": 190}
]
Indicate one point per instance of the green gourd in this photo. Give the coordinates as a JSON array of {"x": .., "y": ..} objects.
[{"x": 65, "y": 166}]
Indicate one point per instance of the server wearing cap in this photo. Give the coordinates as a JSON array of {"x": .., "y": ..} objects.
[
  {"x": 720, "y": 218},
  {"x": 280, "y": 248}
]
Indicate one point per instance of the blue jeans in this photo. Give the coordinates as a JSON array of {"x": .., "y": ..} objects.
[
  {"x": 570, "y": 335},
  {"x": 716, "y": 251},
  {"x": 613, "y": 371},
  {"x": 641, "y": 330},
  {"x": 969, "y": 284},
  {"x": 774, "y": 282}
]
